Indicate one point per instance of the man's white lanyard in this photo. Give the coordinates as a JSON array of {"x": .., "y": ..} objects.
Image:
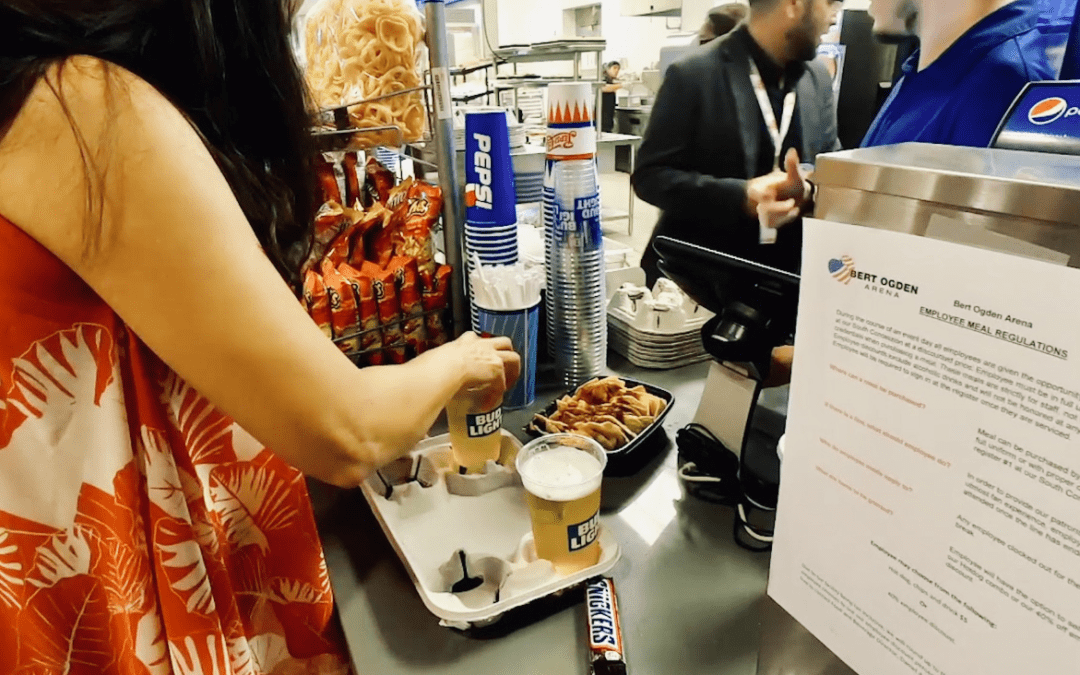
[{"x": 778, "y": 133}]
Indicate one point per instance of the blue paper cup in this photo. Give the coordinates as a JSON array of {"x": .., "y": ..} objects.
[
  {"x": 505, "y": 259},
  {"x": 522, "y": 326},
  {"x": 507, "y": 242},
  {"x": 490, "y": 196}
]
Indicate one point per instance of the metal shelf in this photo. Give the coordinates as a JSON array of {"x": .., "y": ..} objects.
[
  {"x": 472, "y": 97},
  {"x": 514, "y": 83},
  {"x": 533, "y": 54},
  {"x": 462, "y": 71}
]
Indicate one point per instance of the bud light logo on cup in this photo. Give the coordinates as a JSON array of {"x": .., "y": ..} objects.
[
  {"x": 1050, "y": 110},
  {"x": 580, "y": 224},
  {"x": 581, "y": 535},
  {"x": 484, "y": 424}
]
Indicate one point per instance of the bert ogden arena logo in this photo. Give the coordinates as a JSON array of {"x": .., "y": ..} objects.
[
  {"x": 1050, "y": 110},
  {"x": 843, "y": 269}
]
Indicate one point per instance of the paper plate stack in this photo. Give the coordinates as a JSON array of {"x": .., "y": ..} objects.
[{"x": 658, "y": 329}]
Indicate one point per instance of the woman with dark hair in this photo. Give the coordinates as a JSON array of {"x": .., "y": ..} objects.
[{"x": 154, "y": 195}]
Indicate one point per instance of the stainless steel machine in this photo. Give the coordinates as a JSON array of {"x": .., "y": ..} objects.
[{"x": 1024, "y": 203}]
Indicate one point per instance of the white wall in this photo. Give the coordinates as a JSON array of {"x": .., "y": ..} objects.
[
  {"x": 525, "y": 21},
  {"x": 635, "y": 39}
]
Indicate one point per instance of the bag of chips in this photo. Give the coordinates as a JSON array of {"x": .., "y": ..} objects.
[
  {"x": 318, "y": 302},
  {"x": 344, "y": 313},
  {"x": 371, "y": 337},
  {"x": 413, "y": 235},
  {"x": 359, "y": 50},
  {"x": 389, "y": 311},
  {"x": 407, "y": 279},
  {"x": 434, "y": 299}
]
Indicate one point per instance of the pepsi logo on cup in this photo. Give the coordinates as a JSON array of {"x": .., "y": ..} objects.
[
  {"x": 1050, "y": 110},
  {"x": 479, "y": 194},
  {"x": 489, "y": 172}
]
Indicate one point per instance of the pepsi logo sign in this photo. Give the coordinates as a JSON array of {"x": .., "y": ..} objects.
[
  {"x": 1050, "y": 110},
  {"x": 481, "y": 195}
]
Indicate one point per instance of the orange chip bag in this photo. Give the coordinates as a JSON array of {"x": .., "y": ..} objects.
[
  {"x": 379, "y": 181},
  {"x": 379, "y": 237},
  {"x": 343, "y": 246},
  {"x": 344, "y": 313},
  {"x": 434, "y": 299},
  {"x": 329, "y": 221},
  {"x": 407, "y": 278},
  {"x": 413, "y": 235},
  {"x": 371, "y": 337},
  {"x": 389, "y": 311},
  {"x": 328, "y": 185},
  {"x": 350, "y": 167},
  {"x": 318, "y": 302},
  {"x": 398, "y": 198}
]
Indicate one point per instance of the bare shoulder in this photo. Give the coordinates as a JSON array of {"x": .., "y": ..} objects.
[
  {"x": 78, "y": 139},
  {"x": 87, "y": 101}
]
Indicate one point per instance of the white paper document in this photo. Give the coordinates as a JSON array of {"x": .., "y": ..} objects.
[{"x": 929, "y": 514}]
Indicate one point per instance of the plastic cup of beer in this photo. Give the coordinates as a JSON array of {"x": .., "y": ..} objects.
[
  {"x": 475, "y": 433},
  {"x": 562, "y": 475}
]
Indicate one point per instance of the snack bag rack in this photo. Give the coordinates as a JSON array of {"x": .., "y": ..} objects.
[{"x": 364, "y": 66}]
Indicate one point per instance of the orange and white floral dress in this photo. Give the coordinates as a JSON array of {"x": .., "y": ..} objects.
[{"x": 141, "y": 530}]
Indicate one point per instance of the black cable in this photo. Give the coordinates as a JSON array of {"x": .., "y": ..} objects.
[{"x": 711, "y": 473}]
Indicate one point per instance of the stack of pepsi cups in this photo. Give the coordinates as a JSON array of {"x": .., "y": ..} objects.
[
  {"x": 490, "y": 197},
  {"x": 575, "y": 295}
]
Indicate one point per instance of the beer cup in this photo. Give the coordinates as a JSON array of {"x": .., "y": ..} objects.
[
  {"x": 475, "y": 433},
  {"x": 562, "y": 475}
]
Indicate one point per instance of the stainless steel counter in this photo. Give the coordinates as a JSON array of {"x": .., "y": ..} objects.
[{"x": 691, "y": 600}]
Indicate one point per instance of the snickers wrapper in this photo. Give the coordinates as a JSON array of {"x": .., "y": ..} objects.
[{"x": 606, "y": 652}]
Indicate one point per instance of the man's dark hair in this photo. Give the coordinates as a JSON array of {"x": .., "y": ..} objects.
[{"x": 226, "y": 64}]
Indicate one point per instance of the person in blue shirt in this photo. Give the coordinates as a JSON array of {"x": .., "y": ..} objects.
[{"x": 974, "y": 59}]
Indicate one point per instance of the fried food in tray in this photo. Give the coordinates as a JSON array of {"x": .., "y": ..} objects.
[{"x": 606, "y": 410}]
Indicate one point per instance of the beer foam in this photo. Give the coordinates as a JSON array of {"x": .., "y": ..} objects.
[{"x": 561, "y": 474}]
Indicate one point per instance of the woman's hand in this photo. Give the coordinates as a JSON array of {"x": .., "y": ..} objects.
[{"x": 488, "y": 364}]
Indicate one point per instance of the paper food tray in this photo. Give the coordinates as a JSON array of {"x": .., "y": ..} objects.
[{"x": 431, "y": 515}]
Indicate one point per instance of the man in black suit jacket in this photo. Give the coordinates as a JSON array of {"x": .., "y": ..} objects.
[{"x": 708, "y": 158}]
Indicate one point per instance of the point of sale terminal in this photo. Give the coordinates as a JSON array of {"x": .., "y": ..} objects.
[{"x": 730, "y": 452}]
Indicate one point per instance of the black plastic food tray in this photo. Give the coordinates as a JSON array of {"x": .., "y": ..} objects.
[{"x": 632, "y": 456}]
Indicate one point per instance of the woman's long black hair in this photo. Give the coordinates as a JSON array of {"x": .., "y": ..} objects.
[{"x": 226, "y": 64}]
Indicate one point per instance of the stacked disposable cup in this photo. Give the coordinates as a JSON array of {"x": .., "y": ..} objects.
[
  {"x": 490, "y": 197},
  {"x": 575, "y": 298}
]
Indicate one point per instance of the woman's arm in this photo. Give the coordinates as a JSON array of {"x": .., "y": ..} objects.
[{"x": 175, "y": 257}]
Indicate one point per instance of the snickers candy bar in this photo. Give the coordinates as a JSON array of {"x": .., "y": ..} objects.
[{"x": 606, "y": 653}]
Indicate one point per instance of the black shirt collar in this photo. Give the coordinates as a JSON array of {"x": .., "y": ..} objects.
[{"x": 771, "y": 71}]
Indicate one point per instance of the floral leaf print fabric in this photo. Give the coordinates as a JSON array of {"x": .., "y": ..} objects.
[{"x": 142, "y": 532}]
